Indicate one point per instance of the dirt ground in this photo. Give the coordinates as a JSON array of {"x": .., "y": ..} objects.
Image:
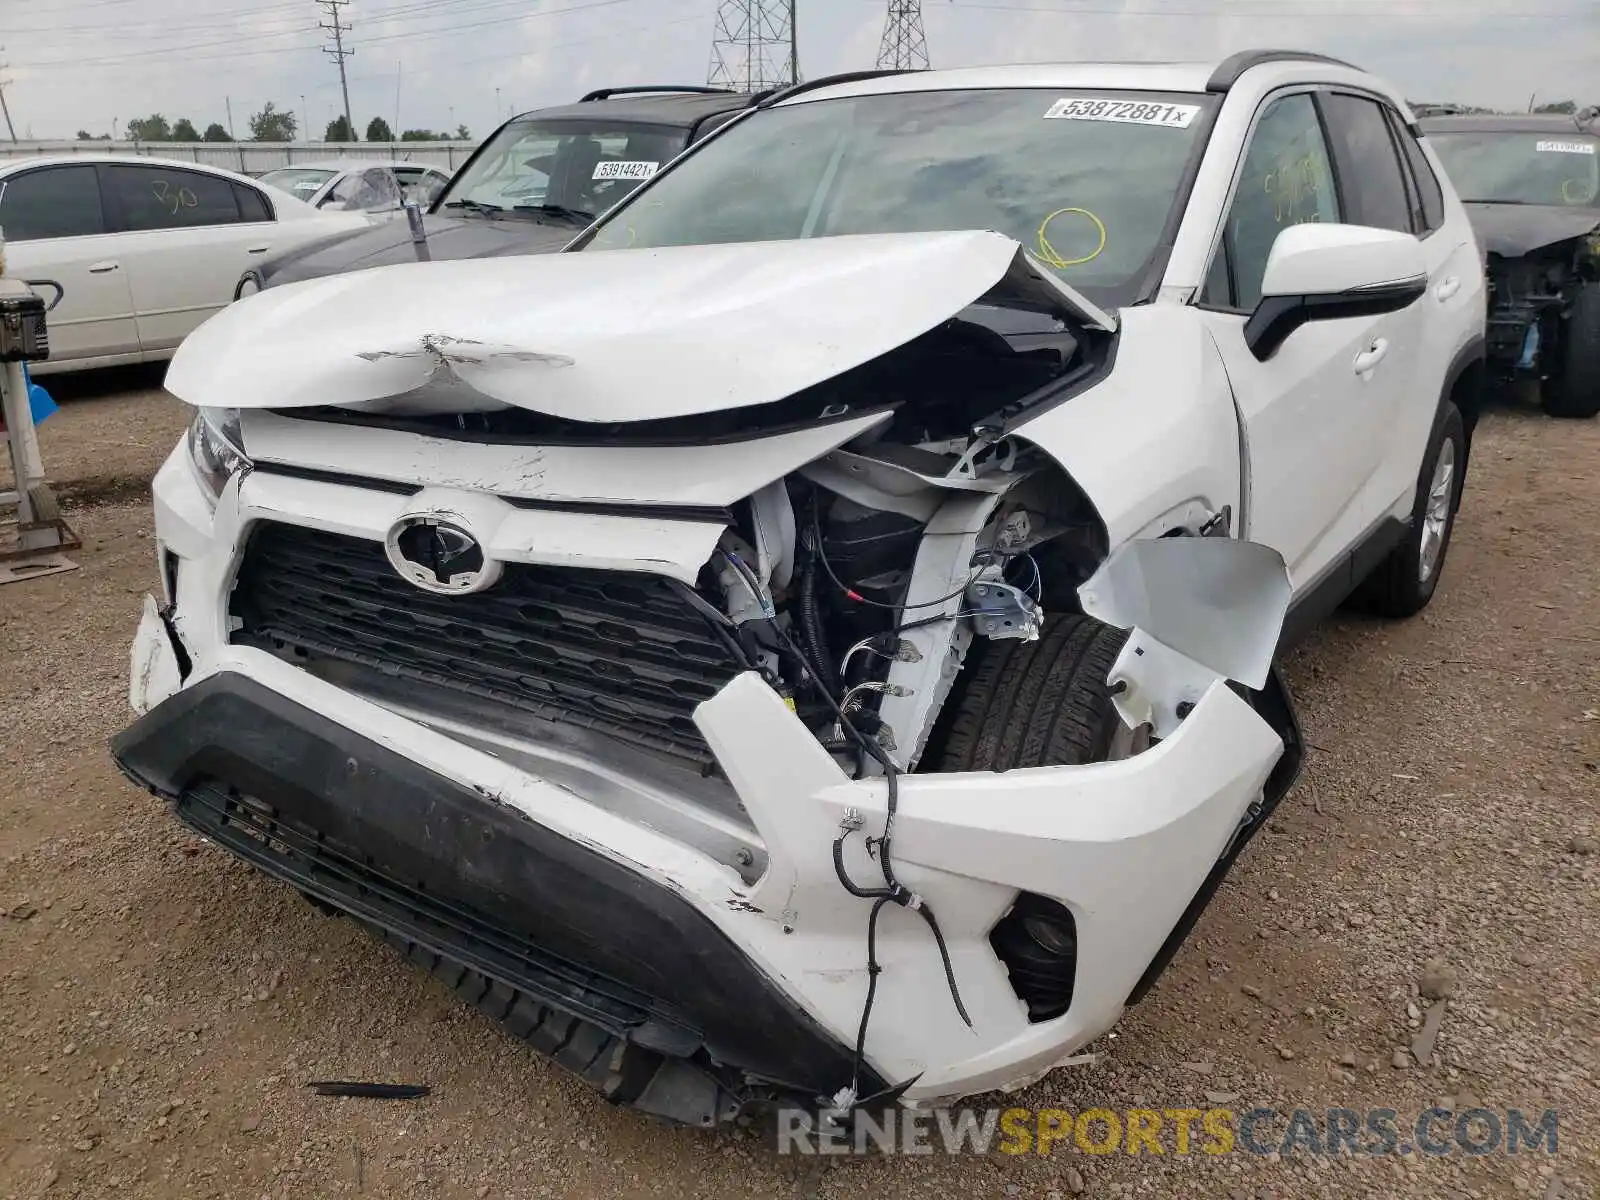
[{"x": 162, "y": 1006}]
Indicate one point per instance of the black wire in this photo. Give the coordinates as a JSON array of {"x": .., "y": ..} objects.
[
  {"x": 821, "y": 556},
  {"x": 894, "y": 892}
]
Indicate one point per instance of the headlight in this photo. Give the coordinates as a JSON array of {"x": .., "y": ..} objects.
[{"x": 216, "y": 448}]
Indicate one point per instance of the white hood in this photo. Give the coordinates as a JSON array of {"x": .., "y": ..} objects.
[{"x": 617, "y": 335}]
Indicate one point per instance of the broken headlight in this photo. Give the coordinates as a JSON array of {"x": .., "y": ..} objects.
[{"x": 216, "y": 448}]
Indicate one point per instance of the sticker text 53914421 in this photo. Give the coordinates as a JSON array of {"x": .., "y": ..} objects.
[
  {"x": 1564, "y": 148},
  {"x": 1127, "y": 112},
  {"x": 625, "y": 170}
]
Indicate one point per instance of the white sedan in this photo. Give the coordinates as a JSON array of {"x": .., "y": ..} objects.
[
  {"x": 376, "y": 188},
  {"x": 136, "y": 252}
]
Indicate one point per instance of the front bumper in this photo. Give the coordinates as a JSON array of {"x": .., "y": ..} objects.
[{"x": 546, "y": 886}]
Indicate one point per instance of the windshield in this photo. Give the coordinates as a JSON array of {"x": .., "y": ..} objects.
[
  {"x": 1086, "y": 181},
  {"x": 300, "y": 182},
  {"x": 581, "y": 166},
  {"x": 1522, "y": 168}
]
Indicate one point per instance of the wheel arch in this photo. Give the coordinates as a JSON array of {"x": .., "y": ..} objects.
[{"x": 1465, "y": 383}]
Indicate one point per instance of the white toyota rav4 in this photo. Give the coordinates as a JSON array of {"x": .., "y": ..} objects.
[{"x": 813, "y": 638}]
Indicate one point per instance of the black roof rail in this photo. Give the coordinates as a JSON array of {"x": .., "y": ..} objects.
[
  {"x": 697, "y": 89},
  {"x": 1228, "y": 71},
  {"x": 822, "y": 81}
]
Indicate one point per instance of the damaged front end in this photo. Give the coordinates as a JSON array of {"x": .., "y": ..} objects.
[
  {"x": 798, "y": 729},
  {"x": 1536, "y": 261}
]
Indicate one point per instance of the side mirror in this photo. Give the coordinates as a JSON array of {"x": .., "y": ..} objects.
[{"x": 1326, "y": 272}]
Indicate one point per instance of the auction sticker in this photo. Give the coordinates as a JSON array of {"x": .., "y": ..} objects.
[
  {"x": 1565, "y": 148},
  {"x": 625, "y": 170},
  {"x": 1126, "y": 112}
]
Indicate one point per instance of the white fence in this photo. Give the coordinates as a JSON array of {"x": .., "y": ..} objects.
[{"x": 254, "y": 158}]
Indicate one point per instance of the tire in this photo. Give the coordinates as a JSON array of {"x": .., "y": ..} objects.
[
  {"x": 1400, "y": 586},
  {"x": 1035, "y": 704},
  {"x": 1576, "y": 392}
]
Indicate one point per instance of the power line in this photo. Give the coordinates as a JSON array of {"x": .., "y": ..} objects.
[
  {"x": 338, "y": 53},
  {"x": 403, "y": 36},
  {"x": 904, "y": 46}
]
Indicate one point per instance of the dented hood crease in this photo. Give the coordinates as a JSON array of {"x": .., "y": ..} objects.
[{"x": 604, "y": 336}]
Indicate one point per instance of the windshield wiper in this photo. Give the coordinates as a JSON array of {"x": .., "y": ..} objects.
[
  {"x": 477, "y": 206},
  {"x": 559, "y": 211}
]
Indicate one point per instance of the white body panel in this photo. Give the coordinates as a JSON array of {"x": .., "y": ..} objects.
[{"x": 95, "y": 317}]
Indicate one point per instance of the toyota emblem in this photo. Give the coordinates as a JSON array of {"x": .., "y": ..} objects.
[{"x": 439, "y": 555}]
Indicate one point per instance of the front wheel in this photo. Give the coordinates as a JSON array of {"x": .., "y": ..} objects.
[
  {"x": 1404, "y": 582},
  {"x": 1576, "y": 392}
]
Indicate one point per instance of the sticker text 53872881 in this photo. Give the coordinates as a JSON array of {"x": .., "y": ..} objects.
[
  {"x": 1126, "y": 112},
  {"x": 625, "y": 170},
  {"x": 1564, "y": 148}
]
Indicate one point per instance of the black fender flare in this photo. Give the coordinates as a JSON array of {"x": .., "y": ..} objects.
[{"x": 1470, "y": 364}]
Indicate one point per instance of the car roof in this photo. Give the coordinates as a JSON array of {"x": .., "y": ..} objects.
[
  {"x": 685, "y": 109},
  {"x": 102, "y": 159},
  {"x": 1144, "y": 76},
  {"x": 1507, "y": 123}
]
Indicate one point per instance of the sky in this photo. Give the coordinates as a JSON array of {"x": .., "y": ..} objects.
[{"x": 85, "y": 64}]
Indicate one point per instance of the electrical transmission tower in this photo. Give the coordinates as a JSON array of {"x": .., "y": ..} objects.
[
  {"x": 338, "y": 53},
  {"x": 904, "y": 47},
  {"x": 753, "y": 46}
]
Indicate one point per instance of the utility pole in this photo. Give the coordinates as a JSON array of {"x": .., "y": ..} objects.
[
  {"x": 904, "y": 47},
  {"x": 228, "y": 101},
  {"x": 337, "y": 52},
  {"x": 4, "y": 83},
  {"x": 752, "y": 46}
]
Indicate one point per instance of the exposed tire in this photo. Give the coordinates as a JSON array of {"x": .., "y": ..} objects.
[
  {"x": 1576, "y": 392},
  {"x": 1035, "y": 704},
  {"x": 1404, "y": 582}
]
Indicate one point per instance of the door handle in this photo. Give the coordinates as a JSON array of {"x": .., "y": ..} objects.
[
  {"x": 258, "y": 249},
  {"x": 103, "y": 268},
  {"x": 1448, "y": 288},
  {"x": 1371, "y": 356}
]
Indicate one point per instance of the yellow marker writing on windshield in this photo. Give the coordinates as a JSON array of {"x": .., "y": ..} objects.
[{"x": 1048, "y": 252}]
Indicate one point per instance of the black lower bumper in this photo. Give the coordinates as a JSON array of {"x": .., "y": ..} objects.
[{"x": 611, "y": 974}]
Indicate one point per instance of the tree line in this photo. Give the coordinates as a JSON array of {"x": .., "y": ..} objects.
[
  {"x": 1424, "y": 108},
  {"x": 271, "y": 124}
]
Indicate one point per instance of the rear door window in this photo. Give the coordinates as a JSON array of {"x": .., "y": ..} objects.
[
  {"x": 152, "y": 197},
  {"x": 1429, "y": 194}
]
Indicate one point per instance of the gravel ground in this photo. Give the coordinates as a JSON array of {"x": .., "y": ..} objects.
[{"x": 162, "y": 1006}]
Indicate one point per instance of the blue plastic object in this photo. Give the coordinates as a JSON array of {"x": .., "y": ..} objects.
[{"x": 39, "y": 401}]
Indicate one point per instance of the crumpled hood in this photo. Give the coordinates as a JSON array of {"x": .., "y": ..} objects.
[
  {"x": 604, "y": 336},
  {"x": 1512, "y": 230},
  {"x": 389, "y": 242}
]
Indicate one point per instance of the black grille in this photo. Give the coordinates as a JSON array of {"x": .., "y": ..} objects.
[
  {"x": 621, "y": 653},
  {"x": 313, "y": 862}
]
